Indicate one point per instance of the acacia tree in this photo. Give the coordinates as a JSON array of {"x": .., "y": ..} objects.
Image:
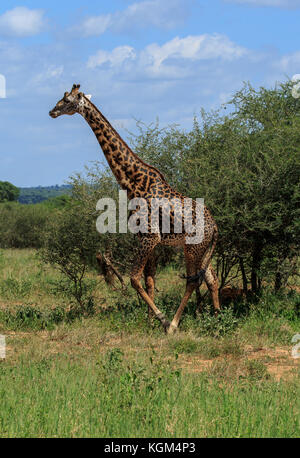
[
  {"x": 8, "y": 192},
  {"x": 246, "y": 166},
  {"x": 271, "y": 120}
]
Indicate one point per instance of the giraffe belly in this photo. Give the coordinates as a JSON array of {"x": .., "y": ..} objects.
[{"x": 172, "y": 239}]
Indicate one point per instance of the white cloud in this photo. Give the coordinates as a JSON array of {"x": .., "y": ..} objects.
[
  {"x": 289, "y": 61},
  {"x": 21, "y": 22},
  {"x": 288, "y": 4},
  {"x": 157, "y": 13},
  {"x": 115, "y": 58},
  {"x": 124, "y": 123},
  {"x": 51, "y": 73},
  {"x": 95, "y": 25},
  {"x": 195, "y": 47},
  {"x": 173, "y": 59},
  {"x": 148, "y": 13}
]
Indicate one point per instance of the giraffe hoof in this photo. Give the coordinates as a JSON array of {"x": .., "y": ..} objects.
[{"x": 171, "y": 329}]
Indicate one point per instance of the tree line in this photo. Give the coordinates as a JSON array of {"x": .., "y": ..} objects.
[{"x": 38, "y": 194}]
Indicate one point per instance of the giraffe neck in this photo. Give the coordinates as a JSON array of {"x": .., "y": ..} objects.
[{"x": 132, "y": 174}]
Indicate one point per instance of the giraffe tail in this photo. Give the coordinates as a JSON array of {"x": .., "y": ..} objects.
[
  {"x": 208, "y": 255},
  {"x": 205, "y": 262}
]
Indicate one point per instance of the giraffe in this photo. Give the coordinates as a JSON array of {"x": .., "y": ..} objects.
[{"x": 140, "y": 179}]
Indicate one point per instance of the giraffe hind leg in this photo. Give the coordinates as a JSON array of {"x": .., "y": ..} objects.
[
  {"x": 147, "y": 246},
  {"x": 191, "y": 285},
  {"x": 199, "y": 300},
  {"x": 149, "y": 276},
  {"x": 197, "y": 278},
  {"x": 213, "y": 285}
]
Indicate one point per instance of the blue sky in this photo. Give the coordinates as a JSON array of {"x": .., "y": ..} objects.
[{"x": 140, "y": 59}]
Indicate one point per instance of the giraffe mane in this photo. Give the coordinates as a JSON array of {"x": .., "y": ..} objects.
[{"x": 118, "y": 135}]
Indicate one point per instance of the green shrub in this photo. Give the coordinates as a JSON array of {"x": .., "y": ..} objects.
[{"x": 28, "y": 317}]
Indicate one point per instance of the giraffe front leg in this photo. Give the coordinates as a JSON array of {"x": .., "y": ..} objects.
[{"x": 137, "y": 285}]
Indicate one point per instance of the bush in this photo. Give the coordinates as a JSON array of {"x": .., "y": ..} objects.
[
  {"x": 70, "y": 246},
  {"x": 22, "y": 226}
]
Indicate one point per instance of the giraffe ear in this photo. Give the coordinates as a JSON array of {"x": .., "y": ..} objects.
[
  {"x": 66, "y": 95},
  {"x": 88, "y": 96}
]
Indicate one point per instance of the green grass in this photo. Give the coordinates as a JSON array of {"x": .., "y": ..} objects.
[
  {"x": 24, "y": 280},
  {"x": 111, "y": 374},
  {"x": 104, "y": 397}
]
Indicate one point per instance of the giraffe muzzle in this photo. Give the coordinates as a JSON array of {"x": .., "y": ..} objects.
[{"x": 53, "y": 113}]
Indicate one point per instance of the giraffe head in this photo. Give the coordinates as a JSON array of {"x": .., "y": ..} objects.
[{"x": 70, "y": 103}]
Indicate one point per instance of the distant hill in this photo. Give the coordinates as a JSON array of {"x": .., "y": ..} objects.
[{"x": 41, "y": 193}]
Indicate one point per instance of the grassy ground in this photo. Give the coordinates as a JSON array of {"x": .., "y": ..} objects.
[{"x": 110, "y": 374}]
